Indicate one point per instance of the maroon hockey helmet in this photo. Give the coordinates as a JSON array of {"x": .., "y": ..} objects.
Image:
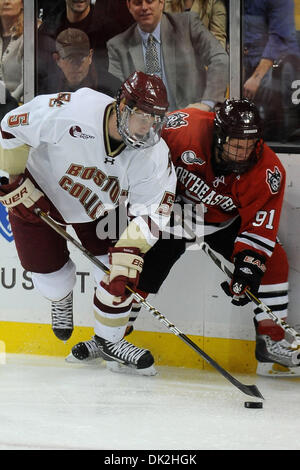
[
  {"x": 146, "y": 101},
  {"x": 146, "y": 92},
  {"x": 237, "y": 119}
]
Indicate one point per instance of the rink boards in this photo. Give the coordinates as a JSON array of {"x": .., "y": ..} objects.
[{"x": 191, "y": 298}]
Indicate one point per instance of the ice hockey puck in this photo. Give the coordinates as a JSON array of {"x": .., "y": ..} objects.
[{"x": 253, "y": 404}]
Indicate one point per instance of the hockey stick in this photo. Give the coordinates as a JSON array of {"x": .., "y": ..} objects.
[
  {"x": 204, "y": 246},
  {"x": 251, "y": 390}
]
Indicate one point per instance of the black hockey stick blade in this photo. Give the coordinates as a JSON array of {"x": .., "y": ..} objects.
[{"x": 250, "y": 390}]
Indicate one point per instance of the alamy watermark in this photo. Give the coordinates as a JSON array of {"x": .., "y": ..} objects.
[{"x": 186, "y": 222}]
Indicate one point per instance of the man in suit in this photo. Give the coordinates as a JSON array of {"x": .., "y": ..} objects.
[{"x": 188, "y": 58}]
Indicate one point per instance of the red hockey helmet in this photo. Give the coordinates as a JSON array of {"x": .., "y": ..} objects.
[
  {"x": 236, "y": 120},
  {"x": 146, "y": 101},
  {"x": 146, "y": 92}
]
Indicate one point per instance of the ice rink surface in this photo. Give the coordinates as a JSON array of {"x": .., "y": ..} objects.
[{"x": 46, "y": 403}]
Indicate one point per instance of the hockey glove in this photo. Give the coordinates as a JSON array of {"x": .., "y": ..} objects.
[
  {"x": 21, "y": 198},
  {"x": 125, "y": 268},
  {"x": 249, "y": 268}
]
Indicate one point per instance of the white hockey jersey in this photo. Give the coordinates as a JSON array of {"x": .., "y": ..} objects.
[{"x": 72, "y": 162}]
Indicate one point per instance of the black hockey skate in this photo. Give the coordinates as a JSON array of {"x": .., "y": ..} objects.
[
  {"x": 62, "y": 317},
  {"x": 86, "y": 351},
  {"x": 120, "y": 357}
]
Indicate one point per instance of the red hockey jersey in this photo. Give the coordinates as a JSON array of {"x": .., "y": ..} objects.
[{"x": 256, "y": 195}]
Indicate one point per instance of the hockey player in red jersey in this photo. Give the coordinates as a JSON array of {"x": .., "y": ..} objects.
[
  {"x": 87, "y": 152},
  {"x": 222, "y": 163}
]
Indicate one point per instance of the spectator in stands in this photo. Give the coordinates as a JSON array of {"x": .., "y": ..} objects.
[
  {"x": 271, "y": 60},
  {"x": 75, "y": 66},
  {"x": 212, "y": 13},
  {"x": 79, "y": 15},
  {"x": 179, "y": 48},
  {"x": 11, "y": 47}
]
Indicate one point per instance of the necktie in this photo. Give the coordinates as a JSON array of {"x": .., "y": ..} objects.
[{"x": 151, "y": 58}]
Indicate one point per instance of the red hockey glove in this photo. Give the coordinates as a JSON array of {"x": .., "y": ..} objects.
[
  {"x": 125, "y": 268},
  {"x": 21, "y": 198},
  {"x": 249, "y": 268}
]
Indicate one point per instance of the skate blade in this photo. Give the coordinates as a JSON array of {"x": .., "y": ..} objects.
[
  {"x": 119, "y": 368},
  {"x": 73, "y": 360},
  {"x": 271, "y": 369}
]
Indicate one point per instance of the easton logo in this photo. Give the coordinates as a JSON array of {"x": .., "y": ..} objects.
[
  {"x": 189, "y": 157},
  {"x": 75, "y": 131},
  {"x": 5, "y": 228},
  {"x": 176, "y": 120},
  {"x": 274, "y": 180}
]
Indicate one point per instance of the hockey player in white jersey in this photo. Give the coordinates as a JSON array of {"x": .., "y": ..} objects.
[{"x": 84, "y": 152}]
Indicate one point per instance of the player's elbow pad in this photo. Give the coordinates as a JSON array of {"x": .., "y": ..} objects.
[{"x": 13, "y": 161}]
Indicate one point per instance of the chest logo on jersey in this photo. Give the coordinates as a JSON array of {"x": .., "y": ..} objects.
[
  {"x": 176, "y": 120},
  {"x": 196, "y": 189},
  {"x": 189, "y": 157},
  {"x": 75, "y": 131},
  {"x": 274, "y": 180},
  {"x": 89, "y": 199}
]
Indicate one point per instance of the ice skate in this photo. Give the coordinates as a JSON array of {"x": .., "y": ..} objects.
[
  {"x": 271, "y": 369},
  {"x": 62, "y": 317},
  {"x": 276, "y": 358},
  {"x": 86, "y": 352},
  {"x": 121, "y": 357}
]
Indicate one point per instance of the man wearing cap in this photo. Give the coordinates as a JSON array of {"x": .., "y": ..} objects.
[
  {"x": 79, "y": 15},
  {"x": 75, "y": 67}
]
